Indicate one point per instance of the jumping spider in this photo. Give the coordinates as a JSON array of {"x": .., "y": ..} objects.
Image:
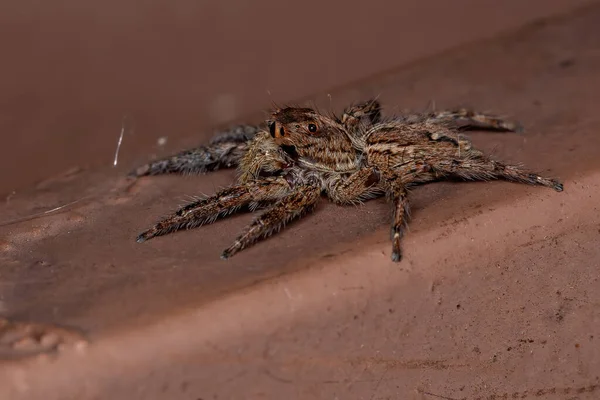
[{"x": 299, "y": 154}]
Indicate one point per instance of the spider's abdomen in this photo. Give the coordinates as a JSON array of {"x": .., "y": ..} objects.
[{"x": 413, "y": 152}]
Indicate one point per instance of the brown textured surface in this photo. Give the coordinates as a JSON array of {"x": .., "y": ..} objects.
[{"x": 497, "y": 293}]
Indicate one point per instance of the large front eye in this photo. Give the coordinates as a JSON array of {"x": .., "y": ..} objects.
[
  {"x": 272, "y": 129},
  {"x": 312, "y": 128}
]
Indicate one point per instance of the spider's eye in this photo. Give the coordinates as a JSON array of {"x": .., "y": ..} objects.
[
  {"x": 312, "y": 128},
  {"x": 272, "y": 129},
  {"x": 282, "y": 132}
]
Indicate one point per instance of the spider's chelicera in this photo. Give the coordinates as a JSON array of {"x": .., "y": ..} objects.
[{"x": 287, "y": 164}]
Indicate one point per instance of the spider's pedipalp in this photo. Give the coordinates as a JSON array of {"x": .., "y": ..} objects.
[
  {"x": 225, "y": 202},
  {"x": 288, "y": 208},
  {"x": 262, "y": 156},
  {"x": 354, "y": 188}
]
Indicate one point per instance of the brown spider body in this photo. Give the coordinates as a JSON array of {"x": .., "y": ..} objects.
[{"x": 301, "y": 154}]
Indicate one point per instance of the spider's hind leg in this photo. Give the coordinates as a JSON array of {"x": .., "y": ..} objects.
[
  {"x": 398, "y": 193},
  {"x": 466, "y": 119},
  {"x": 225, "y": 150},
  {"x": 481, "y": 168},
  {"x": 225, "y": 202}
]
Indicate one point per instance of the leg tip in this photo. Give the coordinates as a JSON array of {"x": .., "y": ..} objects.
[
  {"x": 558, "y": 186},
  {"x": 138, "y": 172},
  {"x": 396, "y": 256},
  {"x": 518, "y": 128},
  {"x": 142, "y": 237},
  {"x": 232, "y": 250}
]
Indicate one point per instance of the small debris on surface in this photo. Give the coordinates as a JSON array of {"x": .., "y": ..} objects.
[{"x": 24, "y": 339}]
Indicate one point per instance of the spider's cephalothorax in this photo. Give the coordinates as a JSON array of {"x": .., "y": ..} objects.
[{"x": 300, "y": 154}]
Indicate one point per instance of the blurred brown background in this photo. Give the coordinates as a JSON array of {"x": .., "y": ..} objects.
[{"x": 71, "y": 70}]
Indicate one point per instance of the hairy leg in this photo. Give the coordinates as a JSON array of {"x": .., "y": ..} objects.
[
  {"x": 285, "y": 210},
  {"x": 225, "y": 150},
  {"x": 236, "y": 134},
  {"x": 476, "y": 166},
  {"x": 466, "y": 119},
  {"x": 399, "y": 195},
  {"x": 225, "y": 202}
]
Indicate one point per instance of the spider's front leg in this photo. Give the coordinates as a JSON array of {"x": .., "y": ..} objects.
[
  {"x": 288, "y": 208},
  {"x": 225, "y": 150},
  {"x": 225, "y": 202}
]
